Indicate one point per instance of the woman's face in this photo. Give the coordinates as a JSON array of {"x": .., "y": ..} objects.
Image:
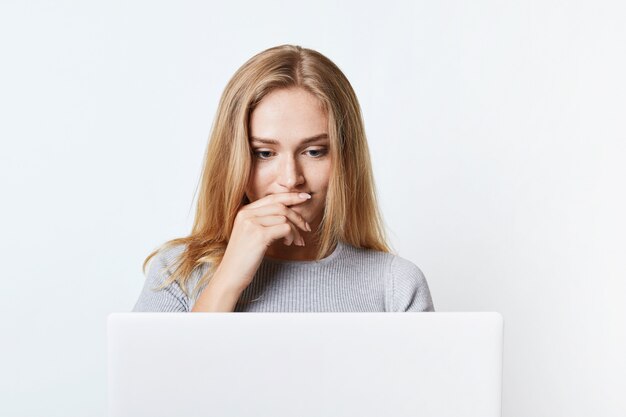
[{"x": 290, "y": 163}]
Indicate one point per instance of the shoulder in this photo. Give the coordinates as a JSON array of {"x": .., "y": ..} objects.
[
  {"x": 155, "y": 295},
  {"x": 408, "y": 286},
  {"x": 164, "y": 262},
  {"x": 405, "y": 285},
  {"x": 364, "y": 257}
]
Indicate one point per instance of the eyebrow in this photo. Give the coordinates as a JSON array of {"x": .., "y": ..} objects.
[{"x": 275, "y": 142}]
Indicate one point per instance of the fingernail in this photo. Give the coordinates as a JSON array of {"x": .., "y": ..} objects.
[
  {"x": 307, "y": 226},
  {"x": 304, "y": 195}
]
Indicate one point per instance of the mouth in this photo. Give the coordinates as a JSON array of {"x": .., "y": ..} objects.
[{"x": 308, "y": 192}]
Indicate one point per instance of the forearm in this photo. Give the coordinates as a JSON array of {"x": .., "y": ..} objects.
[{"x": 217, "y": 296}]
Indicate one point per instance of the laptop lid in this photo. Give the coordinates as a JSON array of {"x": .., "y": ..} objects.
[{"x": 304, "y": 364}]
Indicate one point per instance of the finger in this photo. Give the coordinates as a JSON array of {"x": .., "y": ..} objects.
[
  {"x": 287, "y": 199},
  {"x": 279, "y": 231},
  {"x": 294, "y": 236},
  {"x": 280, "y": 209}
]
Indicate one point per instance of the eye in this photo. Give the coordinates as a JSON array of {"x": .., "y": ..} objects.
[
  {"x": 320, "y": 152},
  {"x": 257, "y": 154},
  {"x": 265, "y": 155}
]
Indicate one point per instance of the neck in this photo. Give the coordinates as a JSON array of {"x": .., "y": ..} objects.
[{"x": 278, "y": 250}]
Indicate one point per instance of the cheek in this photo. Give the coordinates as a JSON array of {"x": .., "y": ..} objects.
[
  {"x": 322, "y": 176},
  {"x": 264, "y": 172},
  {"x": 253, "y": 189},
  {"x": 259, "y": 176}
]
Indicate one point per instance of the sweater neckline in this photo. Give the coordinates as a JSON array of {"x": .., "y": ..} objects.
[{"x": 334, "y": 254}]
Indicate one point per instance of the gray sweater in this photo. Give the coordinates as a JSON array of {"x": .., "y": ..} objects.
[{"x": 348, "y": 280}]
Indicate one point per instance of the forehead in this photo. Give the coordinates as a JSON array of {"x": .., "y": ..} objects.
[{"x": 288, "y": 115}]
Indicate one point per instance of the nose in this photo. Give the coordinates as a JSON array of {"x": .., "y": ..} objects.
[{"x": 290, "y": 174}]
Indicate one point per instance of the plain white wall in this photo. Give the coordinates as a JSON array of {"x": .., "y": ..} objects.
[{"x": 497, "y": 136}]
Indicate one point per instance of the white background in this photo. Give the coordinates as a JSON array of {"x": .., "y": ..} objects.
[{"x": 496, "y": 128}]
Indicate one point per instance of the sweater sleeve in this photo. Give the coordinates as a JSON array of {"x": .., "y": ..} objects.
[
  {"x": 409, "y": 287},
  {"x": 168, "y": 299}
]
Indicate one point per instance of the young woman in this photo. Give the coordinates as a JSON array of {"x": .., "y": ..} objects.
[{"x": 287, "y": 217}]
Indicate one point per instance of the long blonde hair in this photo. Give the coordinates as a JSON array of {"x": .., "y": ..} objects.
[{"x": 351, "y": 211}]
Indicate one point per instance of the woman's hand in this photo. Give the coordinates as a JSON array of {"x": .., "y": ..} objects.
[{"x": 258, "y": 225}]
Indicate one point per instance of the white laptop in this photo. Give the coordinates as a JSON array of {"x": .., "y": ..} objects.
[{"x": 305, "y": 364}]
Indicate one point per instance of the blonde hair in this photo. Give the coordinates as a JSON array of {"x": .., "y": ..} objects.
[{"x": 351, "y": 211}]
